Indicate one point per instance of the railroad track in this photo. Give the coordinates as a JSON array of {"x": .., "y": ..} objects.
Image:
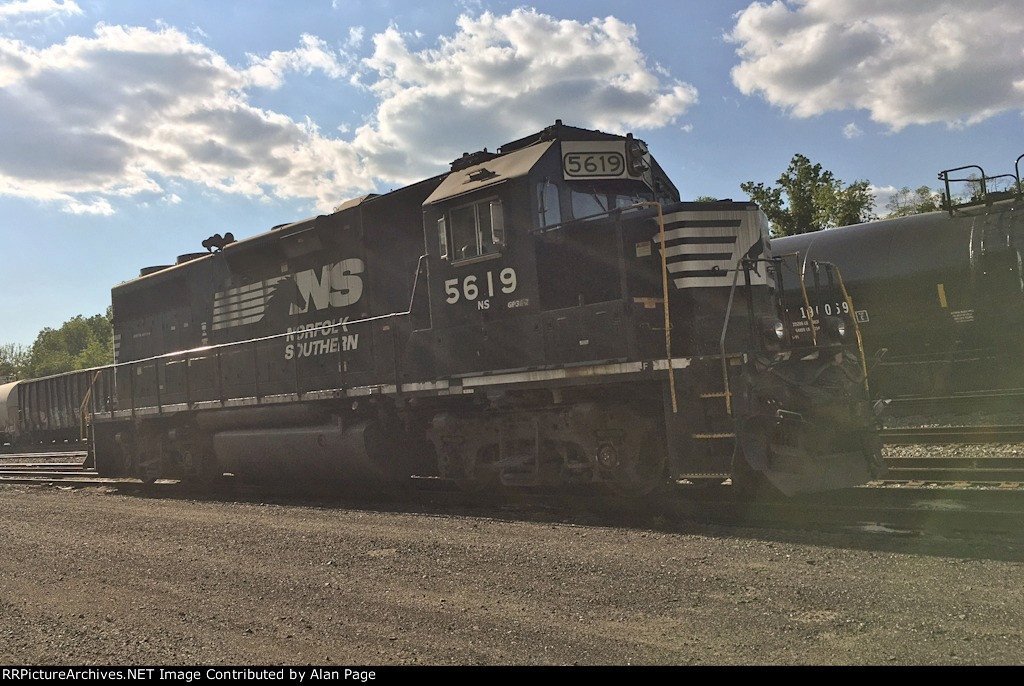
[
  {"x": 1008, "y": 433},
  {"x": 963, "y": 469},
  {"x": 1006, "y": 400},
  {"x": 8, "y": 451},
  {"x": 47, "y": 471},
  {"x": 45, "y": 464},
  {"x": 958, "y": 466},
  {"x": 989, "y": 472}
]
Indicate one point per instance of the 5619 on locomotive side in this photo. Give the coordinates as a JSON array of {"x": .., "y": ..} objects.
[{"x": 549, "y": 313}]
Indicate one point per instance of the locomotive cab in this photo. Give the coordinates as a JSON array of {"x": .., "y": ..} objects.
[{"x": 515, "y": 236}]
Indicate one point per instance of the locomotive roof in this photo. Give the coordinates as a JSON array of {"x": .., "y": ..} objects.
[
  {"x": 559, "y": 131},
  {"x": 489, "y": 173}
]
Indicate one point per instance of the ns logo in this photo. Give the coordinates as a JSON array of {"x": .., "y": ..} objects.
[{"x": 335, "y": 285}]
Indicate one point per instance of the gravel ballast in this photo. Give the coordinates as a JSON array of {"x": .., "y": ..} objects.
[{"x": 90, "y": 577}]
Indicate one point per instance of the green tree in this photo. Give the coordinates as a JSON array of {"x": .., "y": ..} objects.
[
  {"x": 79, "y": 343},
  {"x": 808, "y": 197},
  {"x": 905, "y": 202},
  {"x": 13, "y": 361}
]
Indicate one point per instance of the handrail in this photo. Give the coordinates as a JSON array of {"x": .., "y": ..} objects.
[
  {"x": 945, "y": 178},
  {"x": 721, "y": 341},
  {"x": 807, "y": 301},
  {"x": 83, "y": 421},
  {"x": 664, "y": 295},
  {"x": 986, "y": 196},
  {"x": 1016, "y": 173},
  {"x": 856, "y": 326}
]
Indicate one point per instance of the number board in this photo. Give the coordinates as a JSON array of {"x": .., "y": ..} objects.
[{"x": 594, "y": 160}]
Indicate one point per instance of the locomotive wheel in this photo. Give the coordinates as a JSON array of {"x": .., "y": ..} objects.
[
  {"x": 483, "y": 480},
  {"x": 147, "y": 467},
  {"x": 146, "y": 456},
  {"x": 204, "y": 472}
]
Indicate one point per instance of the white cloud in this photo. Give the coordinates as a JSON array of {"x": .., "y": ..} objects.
[
  {"x": 117, "y": 112},
  {"x": 98, "y": 206},
  {"x": 907, "y": 62},
  {"x": 128, "y": 110},
  {"x": 269, "y": 72},
  {"x": 851, "y": 130},
  {"x": 23, "y": 8},
  {"x": 498, "y": 77},
  {"x": 883, "y": 194},
  {"x": 355, "y": 37}
]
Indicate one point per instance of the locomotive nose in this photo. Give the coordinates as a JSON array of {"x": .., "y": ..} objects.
[{"x": 815, "y": 435}]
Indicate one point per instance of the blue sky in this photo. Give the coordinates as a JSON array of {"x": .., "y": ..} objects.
[{"x": 130, "y": 131}]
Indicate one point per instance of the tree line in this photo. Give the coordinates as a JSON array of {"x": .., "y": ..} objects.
[
  {"x": 807, "y": 197},
  {"x": 79, "y": 343}
]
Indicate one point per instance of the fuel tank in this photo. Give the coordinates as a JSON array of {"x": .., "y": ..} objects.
[{"x": 324, "y": 453}]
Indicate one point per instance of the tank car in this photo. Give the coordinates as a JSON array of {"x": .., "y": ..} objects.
[
  {"x": 549, "y": 313},
  {"x": 938, "y": 297},
  {"x": 9, "y": 413}
]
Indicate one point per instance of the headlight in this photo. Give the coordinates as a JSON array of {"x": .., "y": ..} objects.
[
  {"x": 774, "y": 330},
  {"x": 835, "y": 328},
  {"x": 607, "y": 455}
]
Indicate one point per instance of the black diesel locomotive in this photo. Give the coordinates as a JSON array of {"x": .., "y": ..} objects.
[
  {"x": 939, "y": 297},
  {"x": 549, "y": 313}
]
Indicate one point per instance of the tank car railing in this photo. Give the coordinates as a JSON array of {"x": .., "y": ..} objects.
[
  {"x": 1016, "y": 174},
  {"x": 186, "y": 357},
  {"x": 984, "y": 196}
]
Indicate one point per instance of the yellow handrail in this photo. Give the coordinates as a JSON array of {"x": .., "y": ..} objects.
[
  {"x": 856, "y": 326},
  {"x": 664, "y": 295},
  {"x": 83, "y": 421},
  {"x": 807, "y": 302}
]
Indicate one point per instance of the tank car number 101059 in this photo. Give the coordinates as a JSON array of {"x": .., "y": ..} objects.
[{"x": 550, "y": 313}]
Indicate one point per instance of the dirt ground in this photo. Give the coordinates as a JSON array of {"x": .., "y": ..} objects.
[{"x": 89, "y": 577}]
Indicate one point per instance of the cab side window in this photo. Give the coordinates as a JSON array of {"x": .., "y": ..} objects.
[{"x": 476, "y": 229}]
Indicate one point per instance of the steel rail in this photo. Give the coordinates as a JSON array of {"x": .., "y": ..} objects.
[{"x": 1003, "y": 433}]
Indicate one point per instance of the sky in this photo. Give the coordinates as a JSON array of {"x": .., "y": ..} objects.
[{"x": 131, "y": 131}]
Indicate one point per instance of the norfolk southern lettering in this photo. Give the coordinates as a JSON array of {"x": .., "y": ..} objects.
[{"x": 320, "y": 338}]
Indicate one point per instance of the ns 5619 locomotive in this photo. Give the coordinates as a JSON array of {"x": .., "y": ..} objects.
[
  {"x": 549, "y": 313},
  {"x": 939, "y": 296}
]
